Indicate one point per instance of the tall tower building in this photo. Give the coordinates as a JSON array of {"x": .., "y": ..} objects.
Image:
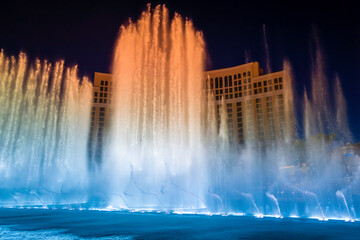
[
  {"x": 258, "y": 106},
  {"x": 100, "y": 115}
]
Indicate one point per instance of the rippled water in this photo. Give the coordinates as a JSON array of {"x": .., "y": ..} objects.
[{"x": 76, "y": 224}]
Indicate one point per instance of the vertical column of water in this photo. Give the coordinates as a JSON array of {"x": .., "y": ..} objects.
[
  {"x": 156, "y": 152},
  {"x": 44, "y": 127}
]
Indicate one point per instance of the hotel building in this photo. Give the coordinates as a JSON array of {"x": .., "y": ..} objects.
[
  {"x": 100, "y": 112},
  {"x": 258, "y": 107}
]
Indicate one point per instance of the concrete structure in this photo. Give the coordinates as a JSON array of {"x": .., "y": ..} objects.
[
  {"x": 258, "y": 107},
  {"x": 100, "y": 114}
]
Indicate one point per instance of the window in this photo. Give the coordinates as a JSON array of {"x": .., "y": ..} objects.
[
  {"x": 100, "y": 100},
  {"x": 270, "y": 89},
  {"x": 95, "y": 94},
  {"x": 106, "y": 83},
  {"x": 211, "y": 83},
  {"x": 230, "y": 90},
  {"x": 238, "y": 104},
  {"x": 92, "y": 113},
  {"x": 220, "y": 82},
  {"x": 105, "y": 100},
  {"x": 106, "y": 89},
  {"x": 240, "y": 88},
  {"x": 216, "y": 83},
  {"x": 280, "y": 86},
  {"x": 239, "y": 82},
  {"x": 249, "y": 80},
  {"x": 226, "y": 90},
  {"x": 265, "y": 83},
  {"x": 280, "y": 80},
  {"x": 102, "y": 114},
  {"x": 258, "y": 100},
  {"x": 260, "y": 90},
  {"x": 240, "y": 94},
  {"x": 101, "y": 89},
  {"x": 236, "y": 95},
  {"x": 255, "y": 85},
  {"x": 248, "y": 73},
  {"x": 239, "y": 75},
  {"x": 95, "y": 100},
  {"x": 230, "y": 81},
  {"x": 235, "y": 83},
  {"x": 101, "y": 94},
  {"x": 275, "y": 80},
  {"x": 226, "y": 81},
  {"x": 245, "y": 87},
  {"x": 101, "y": 124},
  {"x": 276, "y": 87},
  {"x": 102, "y": 109},
  {"x": 265, "y": 89},
  {"x": 259, "y": 84},
  {"x": 255, "y": 91},
  {"x": 269, "y": 81},
  {"x": 102, "y": 83},
  {"x": 244, "y": 74},
  {"x": 235, "y": 77},
  {"x": 235, "y": 89},
  {"x": 105, "y": 94}
]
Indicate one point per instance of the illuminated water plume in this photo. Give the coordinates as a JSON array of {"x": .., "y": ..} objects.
[
  {"x": 156, "y": 153},
  {"x": 44, "y": 123}
]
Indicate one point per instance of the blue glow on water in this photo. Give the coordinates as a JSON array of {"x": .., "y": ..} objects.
[{"x": 99, "y": 224}]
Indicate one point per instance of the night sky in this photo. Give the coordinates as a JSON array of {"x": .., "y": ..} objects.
[{"x": 84, "y": 33}]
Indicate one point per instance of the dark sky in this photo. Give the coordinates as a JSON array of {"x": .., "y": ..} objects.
[{"x": 84, "y": 32}]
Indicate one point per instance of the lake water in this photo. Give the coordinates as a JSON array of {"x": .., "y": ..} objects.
[{"x": 93, "y": 224}]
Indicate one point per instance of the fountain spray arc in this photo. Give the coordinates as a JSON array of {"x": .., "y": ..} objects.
[
  {"x": 44, "y": 123},
  {"x": 156, "y": 155}
]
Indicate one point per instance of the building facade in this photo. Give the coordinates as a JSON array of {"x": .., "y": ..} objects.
[
  {"x": 258, "y": 107},
  {"x": 100, "y": 115}
]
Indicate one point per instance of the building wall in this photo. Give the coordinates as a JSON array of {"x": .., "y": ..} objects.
[
  {"x": 100, "y": 114},
  {"x": 258, "y": 107}
]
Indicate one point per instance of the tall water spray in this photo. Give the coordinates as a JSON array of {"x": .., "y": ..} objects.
[
  {"x": 156, "y": 153},
  {"x": 44, "y": 123}
]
